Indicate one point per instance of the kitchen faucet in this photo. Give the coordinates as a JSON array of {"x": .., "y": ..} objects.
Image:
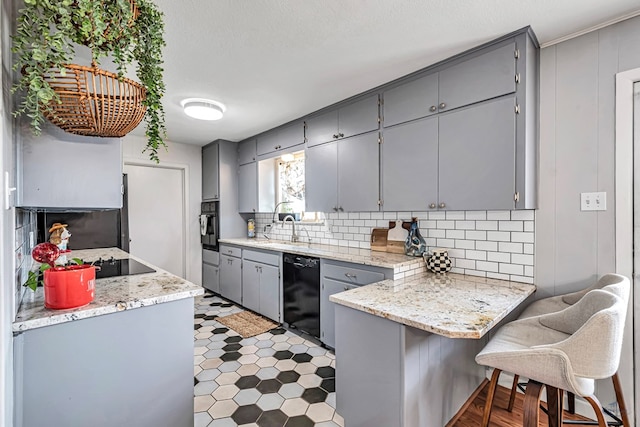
[
  {"x": 275, "y": 211},
  {"x": 294, "y": 236}
]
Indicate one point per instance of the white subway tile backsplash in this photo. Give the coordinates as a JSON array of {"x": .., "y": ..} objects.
[
  {"x": 465, "y": 225},
  {"x": 499, "y": 215},
  {"x": 512, "y": 269},
  {"x": 486, "y": 225},
  {"x": 499, "y": 236},
  {"x": 455, "y": 215},
  {"x": 510, "y": 225},
  {"x": 498, "y": 257},
  {"x": 523, "y": 215},
  {"x": 486, "y": 246},
  {"x": 495, "y": 244},
  {"x": 476, "y": 215}
]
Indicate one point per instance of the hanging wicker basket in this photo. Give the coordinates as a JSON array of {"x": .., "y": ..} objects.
[{"x": 94, "y": 102}]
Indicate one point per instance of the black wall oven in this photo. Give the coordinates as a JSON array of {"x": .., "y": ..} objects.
[{"x": 209, "y": 225}]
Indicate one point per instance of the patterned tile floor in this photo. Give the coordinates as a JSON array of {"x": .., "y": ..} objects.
[{"x": 275, "y": 379}]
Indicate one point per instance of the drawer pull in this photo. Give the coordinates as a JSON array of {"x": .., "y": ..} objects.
[
  {"x": 346, "y": 288},
  {"x": 351, "y": 276}
]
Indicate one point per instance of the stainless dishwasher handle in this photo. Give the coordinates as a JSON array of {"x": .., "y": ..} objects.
[{"x": 299, "y": 265}]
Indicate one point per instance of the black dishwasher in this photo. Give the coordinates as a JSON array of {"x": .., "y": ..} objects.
[{"x": 301, "y": 283}]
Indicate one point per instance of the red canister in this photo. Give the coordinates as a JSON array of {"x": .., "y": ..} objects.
[{"x": 69, "y": 287}]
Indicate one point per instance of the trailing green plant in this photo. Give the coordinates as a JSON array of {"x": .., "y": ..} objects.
[
  {"x": 46, "y": 37},
  {"x": 36, "y": 278}
]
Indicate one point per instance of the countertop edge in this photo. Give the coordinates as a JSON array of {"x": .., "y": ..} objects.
[
  {"x": 474, "y": 334},
  {"x": 67, "y": 316}
]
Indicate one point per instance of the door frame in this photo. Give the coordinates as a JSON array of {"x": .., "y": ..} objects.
[
  {"x": 624, "y": 118},
  {"x": 186, "y": 229}
]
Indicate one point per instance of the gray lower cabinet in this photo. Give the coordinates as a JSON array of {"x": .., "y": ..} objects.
[
  {"x": 261, "y": 282},
  {"x": 358, "y": 117},
  {"x": 247, "y": 188},
  {"x": 477, "y": 157},
  {"x": 409, "y": 158},
  {"x": 210, "y": 184},
  {"x": 231, "y": 278},
  {"x": 337, "y": 277},
  {"x": 343, "y": 175},
  {"x": 211, "y": 270}
]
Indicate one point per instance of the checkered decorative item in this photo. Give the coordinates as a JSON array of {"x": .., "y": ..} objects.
[{"x": 439, "y": 261}]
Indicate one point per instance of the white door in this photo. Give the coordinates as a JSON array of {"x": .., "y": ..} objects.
[
  {"x": 156, "y": 216},
  {"x": 636, "y": 236}
]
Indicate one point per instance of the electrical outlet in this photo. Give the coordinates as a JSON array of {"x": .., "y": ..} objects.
[{"x": 593, "y": 201}]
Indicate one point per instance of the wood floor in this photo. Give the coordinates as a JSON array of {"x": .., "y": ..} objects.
[{"x": 499, "y": 415}]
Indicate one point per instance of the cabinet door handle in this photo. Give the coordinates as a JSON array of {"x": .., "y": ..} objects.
[
  {"x": 433, "y": 108},
  {"x": 335, "y": 136},
  {"x": 432, "y": 206},
  {"x": 341, "y": 135},
  {"x": 442, "y": 206},
  {"x": 229, "y": 251},
  {"x": 335, "y": 209},
  {"x": 442, "y": 105},
  {"x": 351, "y": 276},
  {"x": 340, "y": 209},
  {"x": 346, "y": 288}
]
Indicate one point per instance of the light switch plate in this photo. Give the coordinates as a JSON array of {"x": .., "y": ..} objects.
[{"x": 593, "y": 201}]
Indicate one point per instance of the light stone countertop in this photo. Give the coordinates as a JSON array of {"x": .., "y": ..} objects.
[
  {"x": 112, "y": 294},
  {"x": 339, "y": 253},
  {"x": 451, "y": 305}
]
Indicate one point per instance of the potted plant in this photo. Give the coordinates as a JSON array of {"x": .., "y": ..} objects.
[
  {"x": 65, "y": 286},
  {"x": 128, "y": 31}
]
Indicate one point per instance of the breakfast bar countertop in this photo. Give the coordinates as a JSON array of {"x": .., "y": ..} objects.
[
  {"x": 112, "y": 295},
  {"x": 451, "y": 305}
]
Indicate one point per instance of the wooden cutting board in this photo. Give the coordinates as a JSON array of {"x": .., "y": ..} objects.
[
  {"x": 379, "y": 239},
  {"x": 396, "y": 237}
]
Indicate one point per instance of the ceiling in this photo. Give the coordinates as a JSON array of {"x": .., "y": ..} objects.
[{"x": 271, "y": 61}]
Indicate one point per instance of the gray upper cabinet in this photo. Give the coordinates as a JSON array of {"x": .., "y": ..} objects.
[
  {"x": 247, "y": 188},
  {"x": 477, "y": 157},
  {"x": 343, "y": 175},
  {"x": 352, "y": 119},
  {"x": 247, "y": 151},
  {"x": 321, "y": 178},
  {"x": 281, "y": 138},
  {"x": 359, "y": 173},
  {"x": 482, "y": 77},
  {"x": 210, "y": 183},
  {"x": 409, "y": 158},
  {"x": 409, "y": 101},
  {"x": 61, "y": 170}
]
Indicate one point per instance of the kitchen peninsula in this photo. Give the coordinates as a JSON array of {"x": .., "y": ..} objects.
[
  {"x": 131, "y": 348},
  {"x": 406, "y": 348}
]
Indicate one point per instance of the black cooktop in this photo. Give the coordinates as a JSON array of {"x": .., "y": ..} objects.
[{"x": 120, "y": 267}]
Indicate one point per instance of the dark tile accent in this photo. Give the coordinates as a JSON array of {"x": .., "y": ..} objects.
[
  {"x": 234, "y": 355},
  {"x": 326, "y": 372},
  {"x": 232, "y": 340},
  {"x": 275, "y": 418},
  {"x": 250, "y": 381},
  {"x": 299, "y": 421},
  {"x": 195, "y": 381},
  {"x": 283, "y": 354},
  {"x": 210, "y": 317},
  {"x": 329, "y": 385},
  {"x": 226, "y": 305},
  {"x": 314, "y": 395},
  {"x": 277, "y": 331},
  {"x": 232, "y": 347},
  {"x": 196, "y": 327},
  {"x": 200, "y": 316},
  {"x": 215, "y": 304},
  {"x": 286, "y": 377},
  {"x": 247, "y": 414},
  {"x": 220, "y": 331},
  {"x": 269, "y": 386},
  {"x": 302, "y": 358}
]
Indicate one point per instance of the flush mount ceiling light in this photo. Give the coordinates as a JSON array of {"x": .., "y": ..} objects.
[{"x": 203, "y": 109}]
